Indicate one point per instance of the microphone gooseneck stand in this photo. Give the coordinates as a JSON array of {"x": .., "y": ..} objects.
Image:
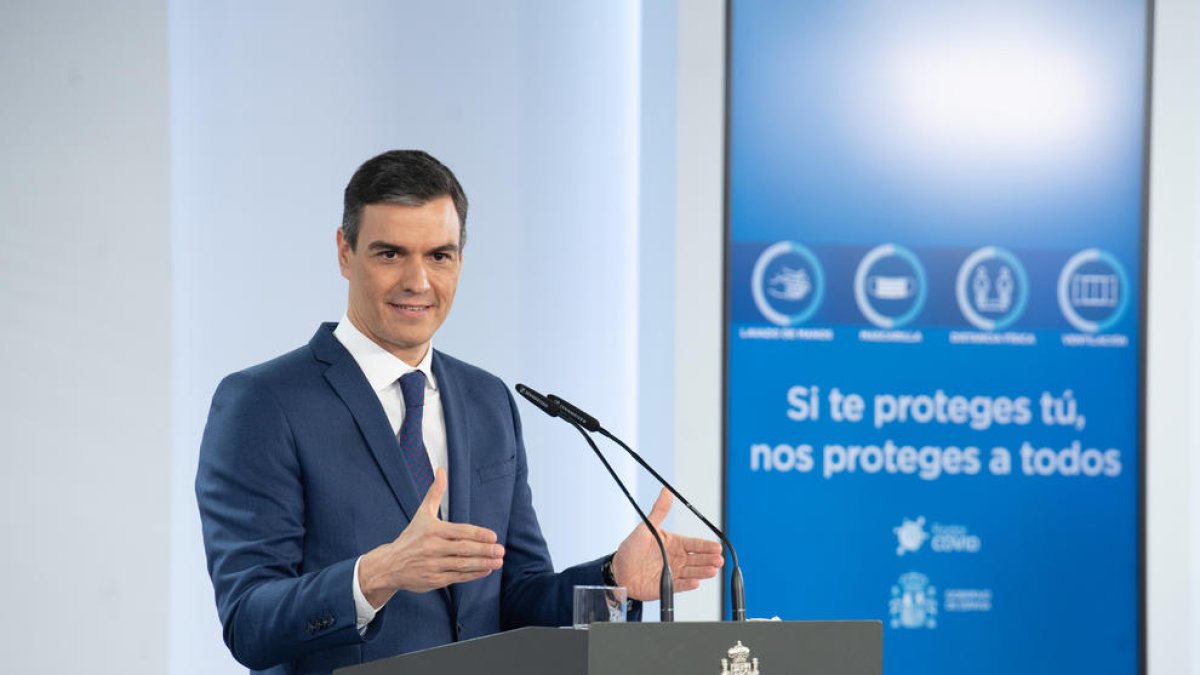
[
  {"x": 737, "y": 588},
  {"x": 666, "y": 585}
]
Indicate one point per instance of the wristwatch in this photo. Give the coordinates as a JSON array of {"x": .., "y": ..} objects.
[{"x": 606, "y": 571}]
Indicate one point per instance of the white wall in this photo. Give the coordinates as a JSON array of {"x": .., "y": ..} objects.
[
  {"x": 699, "y": 259},
  {"x": 84, "y": 352},
  {"x": 1173, "y": 373},
  {"x": 536, "y": 107}
]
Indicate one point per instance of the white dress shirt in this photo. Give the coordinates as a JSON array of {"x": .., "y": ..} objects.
[{"x": 383, "y": 371}]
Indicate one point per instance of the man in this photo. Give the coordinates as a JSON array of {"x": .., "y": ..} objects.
[{"x": 365, "y": 495}]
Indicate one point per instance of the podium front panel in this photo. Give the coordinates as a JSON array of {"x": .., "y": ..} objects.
[
  {"x": 700, "y": 648},
  {"x": 525, "y": 651},
  {"x": 779, "y": 647}
]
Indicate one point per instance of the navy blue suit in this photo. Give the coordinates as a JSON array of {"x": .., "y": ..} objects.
[{"x": 300, "y": 473}]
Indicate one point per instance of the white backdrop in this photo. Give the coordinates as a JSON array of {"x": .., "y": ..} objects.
[
  {"x": 85, "y": 345},
  {"x": 1173, "y": 346},
  {"x": 170, "y": 181},
  {"x": 535, "y": 105}
]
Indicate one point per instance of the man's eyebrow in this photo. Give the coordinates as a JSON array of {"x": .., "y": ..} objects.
[
  {"x": 387, "y": 246},
  {"x": 384, "y": 246}
]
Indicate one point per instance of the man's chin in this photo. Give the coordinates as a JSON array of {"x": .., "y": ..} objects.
[{"x": 407, "y": 340}]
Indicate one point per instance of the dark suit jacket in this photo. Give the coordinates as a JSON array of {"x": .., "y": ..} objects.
[{"x": 300, "y": 474}]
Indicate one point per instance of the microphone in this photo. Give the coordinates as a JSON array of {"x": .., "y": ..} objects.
[
  {"x": 550, "y": 406},
  {"x": 737, "y": 588},
  {"x": 570, "y": 412},
  {"x": 547, "y": 406}
]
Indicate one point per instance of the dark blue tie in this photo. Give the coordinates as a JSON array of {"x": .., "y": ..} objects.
[{"x": 412, "y": 442}]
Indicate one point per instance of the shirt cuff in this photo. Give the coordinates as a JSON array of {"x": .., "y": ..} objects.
[{"x": 363, "y": 609}]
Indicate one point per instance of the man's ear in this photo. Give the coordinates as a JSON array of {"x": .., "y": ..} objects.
[{"x": 343, "y": 253}]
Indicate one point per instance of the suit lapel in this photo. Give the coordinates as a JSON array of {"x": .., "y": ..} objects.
[
  {"x": 348, "y": 381},
  {"x": 454, "y": 410}
]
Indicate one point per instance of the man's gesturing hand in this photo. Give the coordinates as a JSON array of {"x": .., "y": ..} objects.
[
  {"x": 638, "y": 562},
  {"x": 430, "y": 553}
]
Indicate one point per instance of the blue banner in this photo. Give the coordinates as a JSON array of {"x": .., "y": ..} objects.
[{"x": 933, "y": 290}]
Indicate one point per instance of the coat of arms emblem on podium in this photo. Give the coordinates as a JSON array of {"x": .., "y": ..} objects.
[{"x": 739, "y": 661}]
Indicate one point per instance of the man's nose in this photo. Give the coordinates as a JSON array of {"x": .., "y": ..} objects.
[{"x": 416, "y": 277}]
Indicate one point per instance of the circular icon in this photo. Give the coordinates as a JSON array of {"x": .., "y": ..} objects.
[
  {"x": 992, "y": 288},
  {"x": 1093, "y": 290},
  {"x": 787, "y": 283},
  {"x": 889, "y": 286}
]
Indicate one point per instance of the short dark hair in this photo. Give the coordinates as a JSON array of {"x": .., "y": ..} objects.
[{"x": 409, "y": 177}]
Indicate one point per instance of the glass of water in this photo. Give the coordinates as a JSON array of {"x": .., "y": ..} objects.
[{"x": 599, "y": 604}]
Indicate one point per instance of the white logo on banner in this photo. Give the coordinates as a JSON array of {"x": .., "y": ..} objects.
[
  {"x": 910, "y": 535},
  {"x": 1101, "y": 293},
  {"x": 878, "y": 294},
  {"x": 787, "y": 283},
  {"x": 992, "y": 288},
  {"x": 914, "y": 602},
  {"x": 954, "y": 539},
  {"x": 968, "y": 600}
]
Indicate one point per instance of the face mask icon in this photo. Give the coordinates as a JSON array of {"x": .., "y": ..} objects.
[{"x": 891, "y": 288}]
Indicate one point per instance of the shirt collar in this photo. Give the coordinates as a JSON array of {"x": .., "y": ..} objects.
[{"x": 381, "y": 367}]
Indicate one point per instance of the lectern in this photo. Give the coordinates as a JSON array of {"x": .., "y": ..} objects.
[{"x": 717, "y": 648}]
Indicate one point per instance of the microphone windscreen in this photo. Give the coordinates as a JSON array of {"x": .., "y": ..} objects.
[{"x": 546, "y": 405}]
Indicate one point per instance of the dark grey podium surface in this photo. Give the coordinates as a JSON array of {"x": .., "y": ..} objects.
[{"x": 766, "y": 648}]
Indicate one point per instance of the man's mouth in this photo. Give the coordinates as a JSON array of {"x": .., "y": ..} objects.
[{"x": 410, "y": 307}]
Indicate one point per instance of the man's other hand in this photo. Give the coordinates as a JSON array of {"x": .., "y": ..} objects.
[
  {"x": 637, "y": 564},
  {"x": 429, "y": 554}
]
